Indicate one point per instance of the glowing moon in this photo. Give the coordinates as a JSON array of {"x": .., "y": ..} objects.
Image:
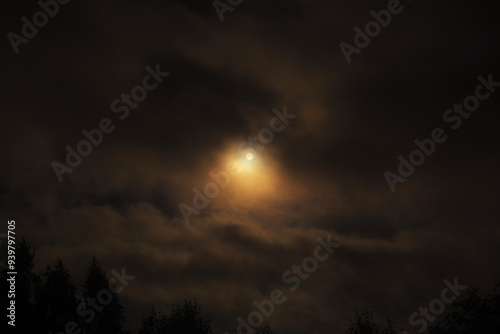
[{"x": 249, "y": 156}]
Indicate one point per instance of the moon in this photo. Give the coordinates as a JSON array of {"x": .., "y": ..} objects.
[{"x": 249, "y": 156}]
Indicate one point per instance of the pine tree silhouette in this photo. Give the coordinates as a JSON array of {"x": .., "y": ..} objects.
[
  {"x": 104, "y": 313},
  {"x": 27, "y": 319},
  {"x": 55, "y": 298}
]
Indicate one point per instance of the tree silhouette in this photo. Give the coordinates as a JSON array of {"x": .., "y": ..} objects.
[
  {"x": 266, "y": 329},
  {"x": 363, "y": 323},
  {"x": 154, "y": 323},
  {"x": 472, "y": 315},
  {"x": 101, "y": 307},
  {"x": 185, "y": 319},
  {"x": 55, "y": 298},
  {"x": 26, "y": 317}
]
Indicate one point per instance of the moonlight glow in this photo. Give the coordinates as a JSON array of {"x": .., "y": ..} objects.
[{"x": 249, "y": 156}]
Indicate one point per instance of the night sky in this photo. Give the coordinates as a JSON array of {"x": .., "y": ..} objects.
[{"x": 179, "y": 97}]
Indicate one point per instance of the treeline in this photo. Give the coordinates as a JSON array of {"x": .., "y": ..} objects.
[
  {"x": 472, "y": 314},
  {"x": 48, "y": 303}
]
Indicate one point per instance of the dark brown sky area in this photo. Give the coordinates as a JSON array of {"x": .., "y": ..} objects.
[{"x": 323, "y": 174}]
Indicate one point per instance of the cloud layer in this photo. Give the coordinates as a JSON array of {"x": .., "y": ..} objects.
[{"x": 322, "y": 175}]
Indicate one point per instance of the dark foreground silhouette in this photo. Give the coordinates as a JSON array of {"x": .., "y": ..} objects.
[{"x": 47, "y": 302}]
